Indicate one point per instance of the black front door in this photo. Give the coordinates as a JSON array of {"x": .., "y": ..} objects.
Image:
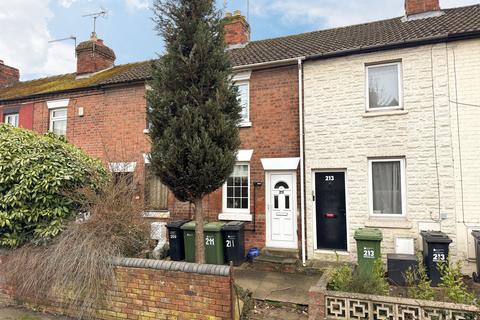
[{"x": 331, "y": 212}]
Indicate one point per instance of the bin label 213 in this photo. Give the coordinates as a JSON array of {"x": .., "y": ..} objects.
[
  {"x": 209, "y": 241},
  {"x": 368, "y": 253},
  {"x": 438, "y": 255}
]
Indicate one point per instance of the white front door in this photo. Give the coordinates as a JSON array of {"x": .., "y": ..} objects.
[{"x": 281, "y": 210}]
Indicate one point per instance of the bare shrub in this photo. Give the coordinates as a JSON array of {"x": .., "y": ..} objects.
[{"x": 77, "y": 265}]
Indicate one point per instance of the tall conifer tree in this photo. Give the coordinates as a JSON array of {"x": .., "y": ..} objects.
[{"x": 193, "y": 108}]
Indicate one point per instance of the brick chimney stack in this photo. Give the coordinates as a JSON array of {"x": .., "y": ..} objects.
[
  {"x": 8, "y": 75},
  {"x": 93, "y": 56},
  {"x": 421, "y": 6},
  {"x": 237, "y": 29}
]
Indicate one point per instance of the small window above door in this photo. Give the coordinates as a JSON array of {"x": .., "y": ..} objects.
[{"x": 281, "y": 184}]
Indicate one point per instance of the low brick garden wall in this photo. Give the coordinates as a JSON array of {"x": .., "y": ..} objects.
[
  {"x": 153, "y": 289},
  {"x": 326, "y": 304}
]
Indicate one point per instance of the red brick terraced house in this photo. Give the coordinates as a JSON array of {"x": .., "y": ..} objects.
[
  {"x": 101, "y": 108},
  {"x": 294, "y": 146}
]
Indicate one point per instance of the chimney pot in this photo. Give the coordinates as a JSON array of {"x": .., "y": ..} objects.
[
  {"x": 236, "y": 29},
  {"x": 421, "y": 6}
]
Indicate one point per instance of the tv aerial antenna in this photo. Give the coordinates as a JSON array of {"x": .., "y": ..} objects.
[
  {"x": 65, "y": 39},
  {"x": 103, "y": 13}
]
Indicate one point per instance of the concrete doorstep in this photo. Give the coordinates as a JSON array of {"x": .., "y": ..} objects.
[{"x": 274, "y": 286}]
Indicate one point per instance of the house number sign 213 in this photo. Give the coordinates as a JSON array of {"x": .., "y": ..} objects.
[
  {"x": 368, "y": 253},
  {"x": 329, "y": 178}
]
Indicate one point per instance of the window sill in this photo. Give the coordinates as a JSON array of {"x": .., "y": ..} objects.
[
  {"x": 389, "y": 223},
  {"x": 157, "y": 214},
  {"x": 371, "y": 114},
  {"x": 235, "y": 216},
  {"x": 246, "y": 124}
]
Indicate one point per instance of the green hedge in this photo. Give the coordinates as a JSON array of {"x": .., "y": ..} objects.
[{"x": 39, "y": 177}]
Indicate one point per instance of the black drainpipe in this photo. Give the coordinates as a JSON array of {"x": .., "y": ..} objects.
[{"x": 256, "y": 185}]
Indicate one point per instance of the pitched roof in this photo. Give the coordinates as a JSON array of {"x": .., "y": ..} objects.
[
  {"x": 120, "y": 74},
  {"x": 452, "y": 24},
  {"x": 376, "y": 34}
]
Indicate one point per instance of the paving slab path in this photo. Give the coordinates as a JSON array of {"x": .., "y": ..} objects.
[
  {"x": 274, "y": 286},
  {"x": 23, "y": 314}
]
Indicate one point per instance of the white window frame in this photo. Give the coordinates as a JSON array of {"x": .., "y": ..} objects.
[
  {"x": 14, "y": 115},
  {"x": 400, "y": 86},
  {"x": 53, "y": 119},
  {"x": 239, "y": 212},
  {"x": 243, "y": 78},
  {"x": 245, "y": 121},
  {"x": 402, "y": 183}
]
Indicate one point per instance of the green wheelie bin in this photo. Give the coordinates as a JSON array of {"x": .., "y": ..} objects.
[
  {"x": 212, "y": 233},
  {"x": 189, "y": 240},
  {"x": 368, "y": 248},
  {"x": 214, "y": 253}
]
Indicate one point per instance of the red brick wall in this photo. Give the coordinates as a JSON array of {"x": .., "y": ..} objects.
[
  {"x": 419, "y": 6},
  {"x": 151, "y": 293},
  {"x": 274, "y": 134},
  {"x": 237, "y": 30},
  {"x": 25, "y": 116},
  {"x": 8, "y": 75},
  {"x": 93, "y": 56},
  {"x": 113, "y": 123}
]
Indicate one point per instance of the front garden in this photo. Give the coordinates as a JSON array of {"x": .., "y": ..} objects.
[{"x": 348, "y": 292}]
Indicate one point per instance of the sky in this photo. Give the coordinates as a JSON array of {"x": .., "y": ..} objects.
[{"x": 27, "y": 26}]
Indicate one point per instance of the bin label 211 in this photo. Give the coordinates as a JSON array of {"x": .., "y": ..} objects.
[
  {"x": 230, "y": 243},
  {"x": 368, "y": 253},
  {"x": 438, "y": 255},
  {"x": 209, "y": 241}
]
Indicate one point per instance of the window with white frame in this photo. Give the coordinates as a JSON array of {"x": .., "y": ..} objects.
[
  {"x": 58, "y": 121},
  {"x": 12, "y": 119},
  {"x": 244, "y": 99},
  {"x": 384, "y": 86},
  {"x": 236, "y": 190},
  {"x": 387, "y": 187}
]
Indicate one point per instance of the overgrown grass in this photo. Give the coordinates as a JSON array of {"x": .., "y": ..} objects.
[
  {"x": 346, "y": 279},
  {"x": 78, "y": 264}
]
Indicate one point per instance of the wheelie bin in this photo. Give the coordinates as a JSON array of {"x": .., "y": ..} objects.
[
  {"x": 234, "y": 242},
  {"x": 435, "y": 252},
  {"x": 175, "y": 239},
  {"x": 476, "y": 237},
  {"x": 368, "y": 248},
  {"x": 213, "y": 242},
  {"x": 189, "y": 240}
]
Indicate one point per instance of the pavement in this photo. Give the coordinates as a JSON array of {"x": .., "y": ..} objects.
[
  {"x": 274, "y": 286},
  {"x": 22, "y": 314}
]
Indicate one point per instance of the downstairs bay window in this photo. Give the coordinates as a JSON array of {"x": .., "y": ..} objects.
[{"x": 387, "y": 187}]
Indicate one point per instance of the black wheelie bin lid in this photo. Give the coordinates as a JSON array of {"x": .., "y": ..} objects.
[
  {"x": 233, "y": 226},
  {"x": 435, "y": 237},
  {"x": 176, "y": 223}
]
